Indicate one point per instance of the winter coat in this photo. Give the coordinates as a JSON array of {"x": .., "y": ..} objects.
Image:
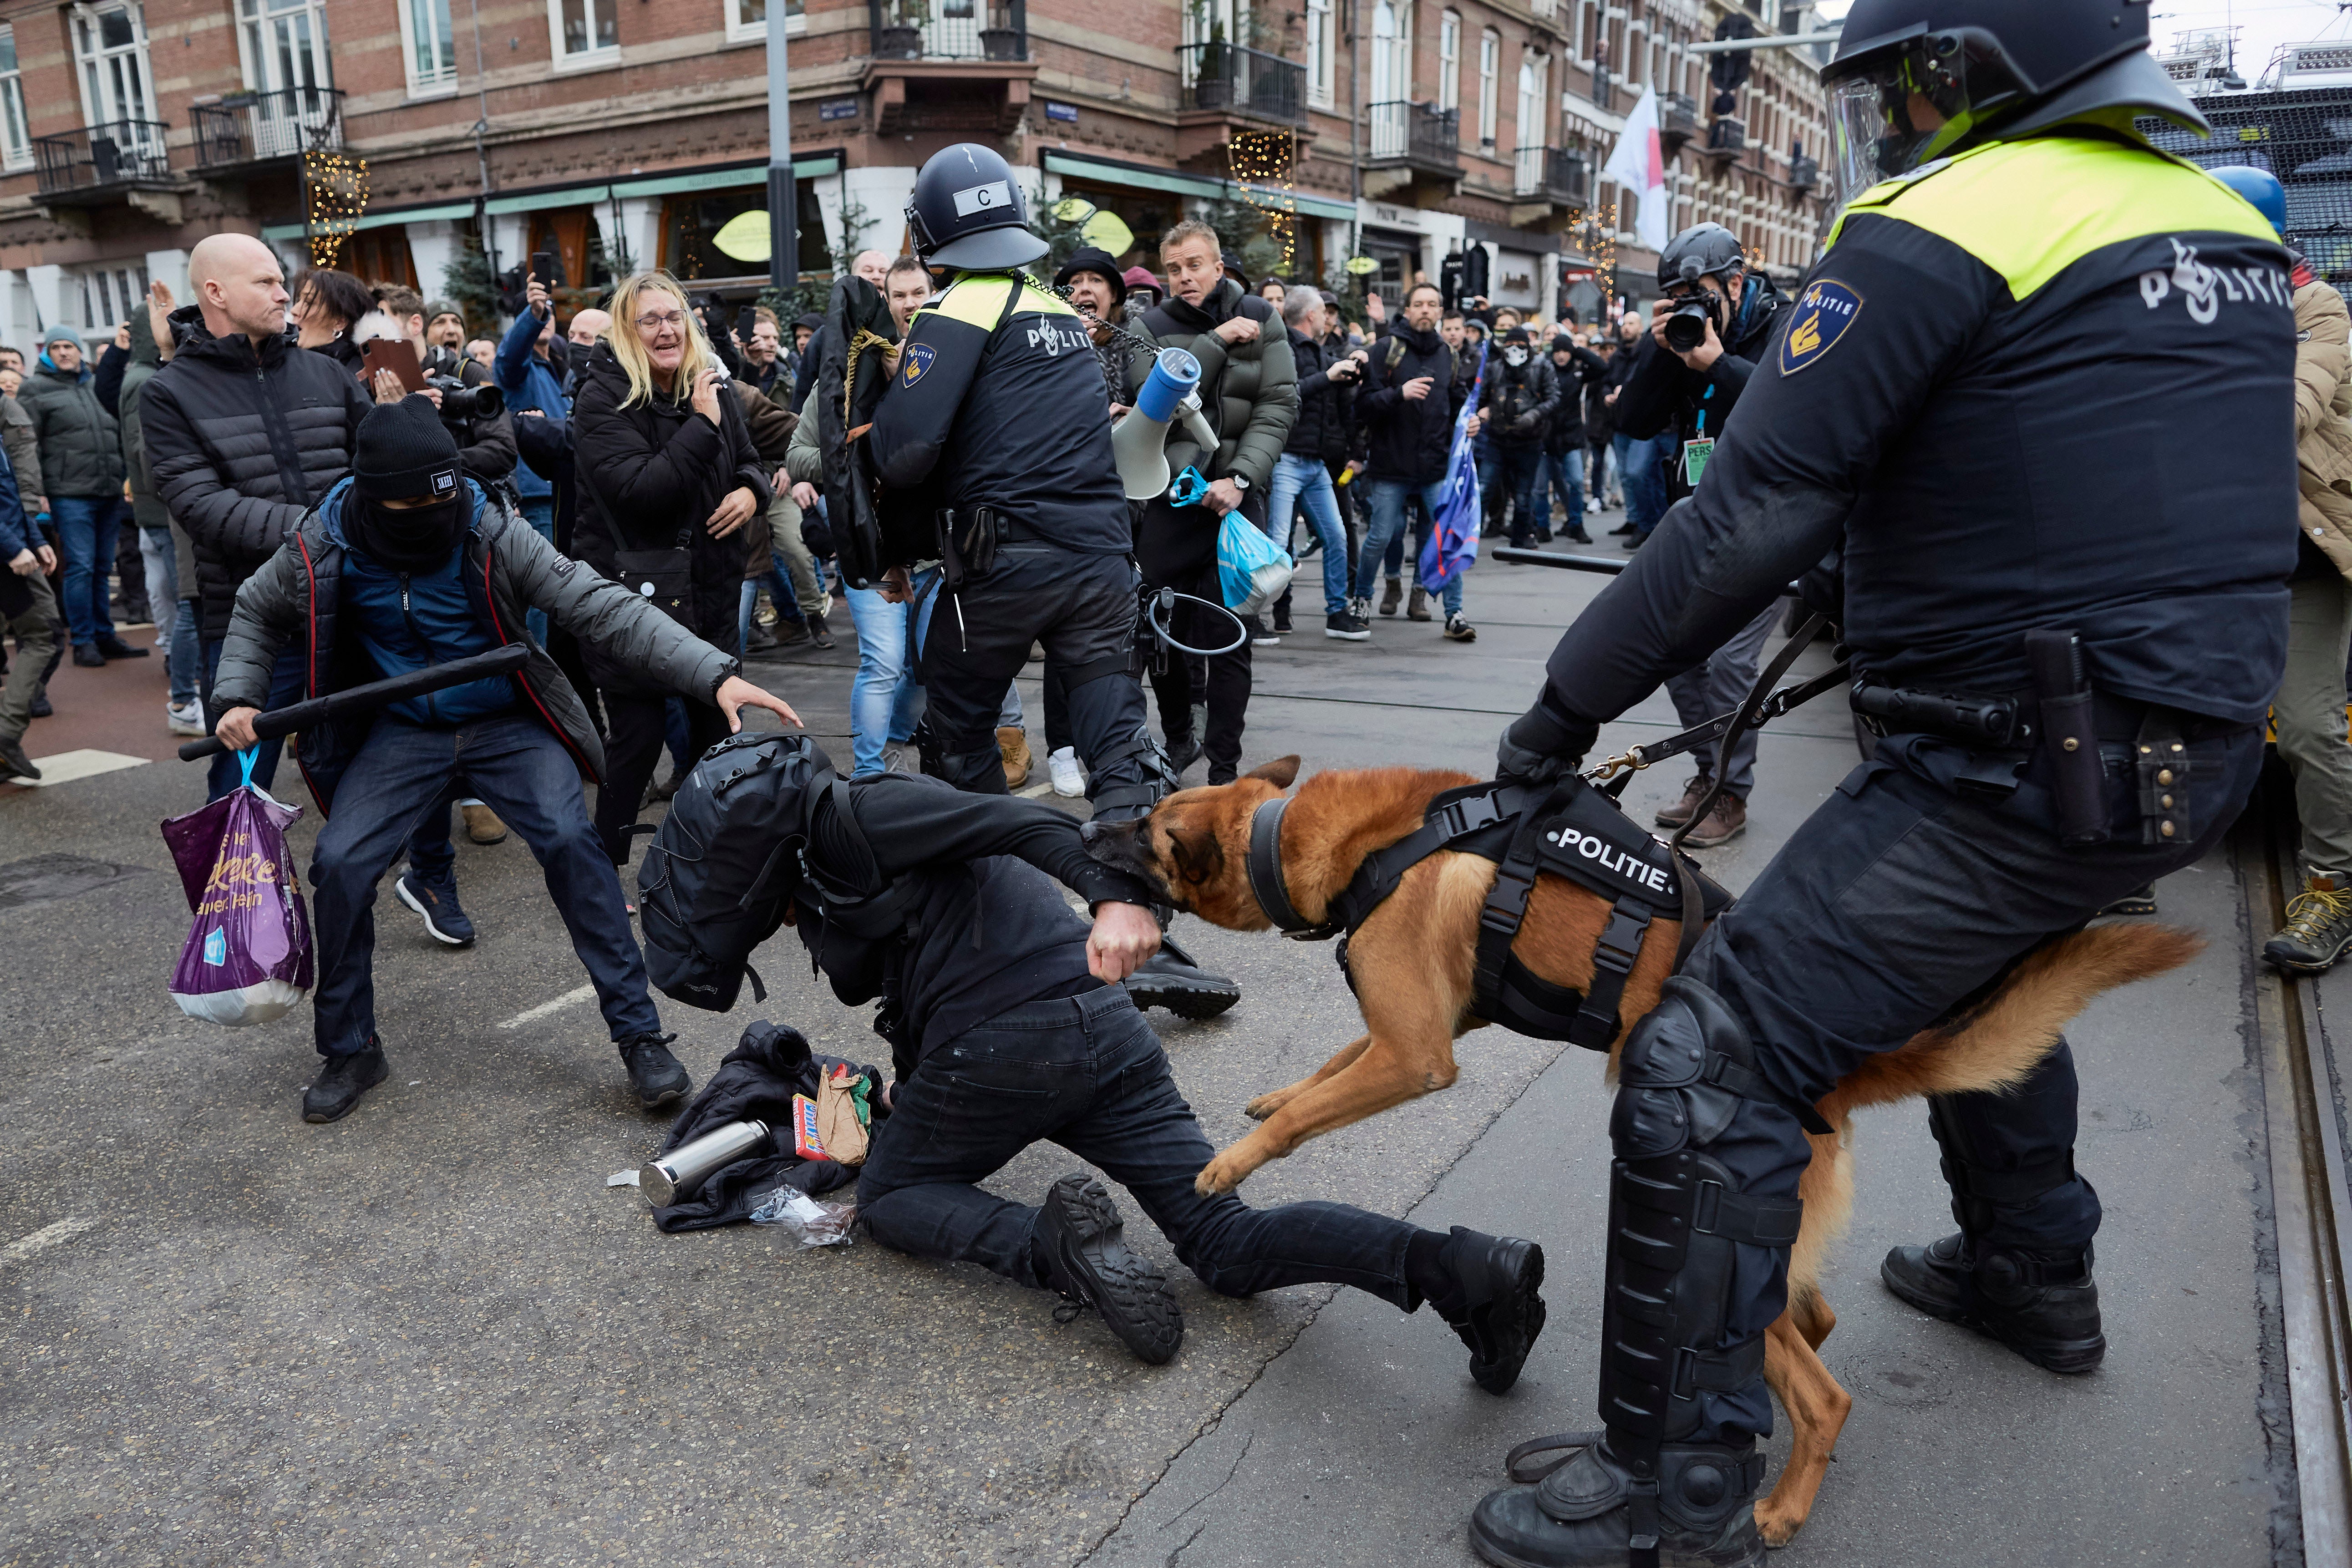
[
  {"x": 651, "y": 474},
  {"x": 1326, "y": 408},
  {"x": 2323, "y": 418},
  {"x": 146, "y": 507},
  {"x": 241, "y": 444},
  {"x": 1565, "y": 431},
  {"x": 24, "y": 449},
  {"x": 770, "y": 427},
  {"x": 529, "y": 382},
  {"x": 1517, "y": 402},
  {"x": 296, "y": 597},
  {"x": 1600, "y": 418},
  {"x": 1249, "y": 391},
  {"x": 1407, "y": 440},
  {"x": 81, "y": 449},
  {"x": 1662, "y": 394}
]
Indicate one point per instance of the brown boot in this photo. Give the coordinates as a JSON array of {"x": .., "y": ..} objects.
[
  {"x": 1725, "y": 823},
  {"x": 1392, "y": 595},
  {"x": 1675, "y": 816},
  {"x": 1012, "y": 745},
  {"x": 482, "y": 824},
  {"x": 1416, "y": 606},
  {"x": 819, "y": 634}
]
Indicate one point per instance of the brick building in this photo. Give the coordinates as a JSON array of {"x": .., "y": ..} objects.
[{"x": 620, "y": 133}]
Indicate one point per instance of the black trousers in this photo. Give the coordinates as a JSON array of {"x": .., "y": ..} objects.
[
  {"x": 632, "y": 750},
  {"x": 1082, "y": 607},
  {"x": 1176, "y": 547},
  {"x": 1087, "y": 1073}
]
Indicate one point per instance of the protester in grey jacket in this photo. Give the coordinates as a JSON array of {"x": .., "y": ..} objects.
[
  {"x": 404, "y": 564},
  {"x": 81, "y": 464}
]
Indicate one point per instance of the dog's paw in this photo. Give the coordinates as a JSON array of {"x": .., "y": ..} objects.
[
  {"x": 1267, "y": 1104},
  {"x": 1222, "y": 1174},
  {"x": 1777, "y": 1525}
]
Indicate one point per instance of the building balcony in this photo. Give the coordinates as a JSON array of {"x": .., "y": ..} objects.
[
  {"x": 1727, "y": 139},
  {"x": 1804, "y": 175},
  {"x": 1677, "y": 121},
  {"x": 246, "y": 129},
  {"x": 120, "y": 162},
  {"x": 1224, "y": 91},
  {"x": 1550, "y": 186},
  {"x": 969, "y": 56},
  {"x": 1414, "y": 155}
]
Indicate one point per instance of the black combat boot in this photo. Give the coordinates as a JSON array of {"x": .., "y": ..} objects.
[
  {"x": 1598, "y": 1509},
  {"x": 658, "y": 1077},
  {"x": 2046, "y": 1308},
  {"x": 1170, "y": 979},
  {"x": 341, "y": 1080},
  {"x": 1082, "y": 1249},
  {"x": 1488, "y": 1290}
]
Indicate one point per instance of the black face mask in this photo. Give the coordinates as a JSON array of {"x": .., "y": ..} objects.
[{"x": 411, "y": 538}]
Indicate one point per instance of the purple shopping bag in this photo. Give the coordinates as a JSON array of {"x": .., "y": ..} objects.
[{"x": 248, "y": 961}]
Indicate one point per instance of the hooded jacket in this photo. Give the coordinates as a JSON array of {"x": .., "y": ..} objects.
[
  {"x": 1326, "y": 408},
  {"x": 1409, "y": 440},
  {"x": 81, "y": 449},
  {"x": 650, "y": 477},
  {"x": 297, "y": 599},
  {"x": 2322, "y": 417},
  {"x": 146, "y": 507},
  {"x": 241, "y": 444}
]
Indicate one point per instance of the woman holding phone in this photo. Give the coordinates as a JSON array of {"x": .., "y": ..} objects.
[{"x": 669, "y": 478}]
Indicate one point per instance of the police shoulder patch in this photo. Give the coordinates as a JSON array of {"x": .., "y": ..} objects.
[
  {"x": 1824, "y": 311},
  {"x": 917, "y": 359}
]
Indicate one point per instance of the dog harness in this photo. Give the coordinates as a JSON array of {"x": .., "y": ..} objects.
[{"x": 1570, "y": 829}]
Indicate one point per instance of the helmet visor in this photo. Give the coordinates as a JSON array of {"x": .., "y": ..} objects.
[{"x": 1914, "y": 103}]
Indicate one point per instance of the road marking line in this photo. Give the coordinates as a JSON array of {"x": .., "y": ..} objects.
[
  {"x": 48, "y": 1236},
  {"x": 1034, "y": 791},
  {"x": 533, "y": 1014},
  {"x": 68, "y": 766}
]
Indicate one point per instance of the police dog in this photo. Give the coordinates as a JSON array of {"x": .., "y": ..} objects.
[{"x": 1412, "y": 960}]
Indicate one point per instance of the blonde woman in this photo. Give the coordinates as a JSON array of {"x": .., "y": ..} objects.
[{"x": 668, "y": 479}]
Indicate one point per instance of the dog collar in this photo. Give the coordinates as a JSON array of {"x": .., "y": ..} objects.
[{"x": 1266, "y": 874}]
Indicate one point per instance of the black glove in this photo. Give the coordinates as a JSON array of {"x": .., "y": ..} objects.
[{"x": 1544, "y": 744}]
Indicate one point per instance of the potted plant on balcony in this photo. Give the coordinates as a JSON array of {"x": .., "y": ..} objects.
[
  {"x": 1000, "y": 40},
  {"x": 900, "y": 36},
  {"x": 1213, "y": 76}
]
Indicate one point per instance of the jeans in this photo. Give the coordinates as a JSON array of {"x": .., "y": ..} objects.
[
  {"x": 1563, "y": 474},
  {"x": 1641, "y": 467},
  {"x": 2309, "y": 709},
  {"x": 1087, "y": 1073},
  {"x": 1385, "y": 502},
  {"x": 401, "y": 776},
  {"x": 285, "y": 686},
  {"x": 86, "y": 532},
  {"x": 884, "y": 693},
  {"x": 1720, "y": 683},
  {"x": 539, "y": 513},
  {"x": 1307, "y": 480},
  {"x": 176, "y": 623}
]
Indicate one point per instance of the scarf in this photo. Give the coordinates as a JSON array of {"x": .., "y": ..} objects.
[{"x": 414, "y": 539}]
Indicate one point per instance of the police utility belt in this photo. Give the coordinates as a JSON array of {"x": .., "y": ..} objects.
[{"x": 2061, "y": 714}]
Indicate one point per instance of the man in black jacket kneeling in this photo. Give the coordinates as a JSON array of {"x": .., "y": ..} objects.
[{"x": 404, "y": 566}]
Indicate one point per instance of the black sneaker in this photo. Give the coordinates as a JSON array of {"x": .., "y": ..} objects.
[
  {"x": 660, "y": 1079},
  {"x": 14, "y": 763},
  {"x": 1083, "y": 1245},
  {"x": 1183, "y": 751},
  {"x": 341, "y": 1080},
  {"x": 1500, "y": 1311},
  {"x": 438, "y": 902},
  {"x": 1346, "y": 627},
  {"x": 2046, "y": 1309},
  {"x": 1171, "y": 978},
  {"x": 1459, "y": 629},
  {"x": 87, "y": 656},
  {"x": 1578, "y": 536},
  {"x": 115, "y": 647}
]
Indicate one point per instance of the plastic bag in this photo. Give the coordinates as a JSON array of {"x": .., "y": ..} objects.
[
  {"x": 1252, "y": 570},
  {"x": 815, "y": 1222},
  {"x": 247, "y": 959}
]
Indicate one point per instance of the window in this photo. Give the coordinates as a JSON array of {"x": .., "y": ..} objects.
[
  {"x": 1392, "y": 52},
  {"x": 1449, "y": 60},
  {"x": 1535, "y": 74},
  {"x": 1490, "y": 61},
  {"x": 747, "y": 20},
  {"x": 585, "y": 32},
  {"x": 285, "y": 47},
  {"x": 429, "y": 45},
  {"x": 108, "y": 294},
  {"x": 1321, "y": 53},
  {"x": 15, "y": 142},
  {"x": 110, "y": 48}
]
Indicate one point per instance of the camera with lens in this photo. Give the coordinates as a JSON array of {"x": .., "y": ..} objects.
[
  {"x": 1687, "y": 327},
  {"x": 461, "y": 404}
]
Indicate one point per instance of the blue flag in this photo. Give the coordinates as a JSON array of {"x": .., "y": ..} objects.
[{"x": 1453, "y": 546}]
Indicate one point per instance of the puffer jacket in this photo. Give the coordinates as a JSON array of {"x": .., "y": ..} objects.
[
  {"x": 241, "y": 445},
  {"x": 1249, "y": 391},
  {"x": 146, "y": 507},
  {"x": 297, "y": 596},
  {"x": 81, "y": 449},
  {"x": 1326, "y": 408},
  {"x": 652, "y": 475},
  {"x": 2323, "y": 416},
  {"x": 24, "y": 449}
]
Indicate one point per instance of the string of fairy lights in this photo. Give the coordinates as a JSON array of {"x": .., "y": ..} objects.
[
  {"x": 1263, "y": 164},
  {"x": 336, "y": 190}
]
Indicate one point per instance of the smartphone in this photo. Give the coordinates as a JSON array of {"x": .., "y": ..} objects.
[
  {"x": 546, "y": 269},
  {"x": 397, "y": 355},
  {"x": 745, "y": 320}
]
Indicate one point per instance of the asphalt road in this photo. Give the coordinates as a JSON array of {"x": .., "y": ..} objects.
[{"x": 431, "y": 1334}]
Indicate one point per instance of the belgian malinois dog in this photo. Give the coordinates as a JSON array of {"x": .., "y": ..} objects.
[{"x": 1410, "y": 962}]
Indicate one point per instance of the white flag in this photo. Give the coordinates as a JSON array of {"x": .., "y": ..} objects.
[{"x": 1638, "y": 166}]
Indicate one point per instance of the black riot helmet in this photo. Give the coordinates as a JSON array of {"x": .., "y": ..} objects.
[
  {"x": 966, "y": 213},
  {"x": 1702, "y": 251},
  {"x": 1915, "y": 81}
]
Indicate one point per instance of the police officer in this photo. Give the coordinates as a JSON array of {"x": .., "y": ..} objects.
[
  {"x": 996, "y": 415},
  {"x": 2033, "y": 366}
]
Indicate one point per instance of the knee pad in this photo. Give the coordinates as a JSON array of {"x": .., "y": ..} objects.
[{"x": 1685, "y": 1068}]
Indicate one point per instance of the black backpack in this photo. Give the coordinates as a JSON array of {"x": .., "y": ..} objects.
[{"x": 722, "y": 870}]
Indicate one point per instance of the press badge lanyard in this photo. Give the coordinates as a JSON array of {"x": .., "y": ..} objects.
[{"x": 1697, "y": 450}]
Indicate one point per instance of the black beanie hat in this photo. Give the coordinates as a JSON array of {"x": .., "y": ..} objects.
[
  {"x": 403, "y": 452},
  {"x": 1517, "y": 335},
  {"x": 1099, "y": 262}
]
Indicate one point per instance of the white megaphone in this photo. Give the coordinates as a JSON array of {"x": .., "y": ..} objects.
[{"x": 1140, "y": 437}]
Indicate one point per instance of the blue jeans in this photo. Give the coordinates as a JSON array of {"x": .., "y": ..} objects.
[
  {"x": 1087, "y": 1073},
  {"x": 87, "y": 527},
  {"x": 1564, "y": 473},
  {"x": 285, "y": 686},
  {"x": 1384, "y": 505},
  {"x": 182, "y": 649},
  {"x": 883, "y": 696},
  {"x": 400, "y": 779},
  {"x": 539, "y": 513},
  {"x": 780, "y": 593},
  {"x": 1641, "y": 469},
  {"x": 1307, "y": 480}
]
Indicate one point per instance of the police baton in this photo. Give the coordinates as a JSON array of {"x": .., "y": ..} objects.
[
  {"x": 1600, "y": 563},
  {"x": 283, "y": 722}
]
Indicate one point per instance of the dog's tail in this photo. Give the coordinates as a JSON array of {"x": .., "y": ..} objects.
[{"x": 1995, "y": 1046}]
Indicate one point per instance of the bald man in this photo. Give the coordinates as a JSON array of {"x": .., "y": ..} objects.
[{"x": 244, "y": 434}]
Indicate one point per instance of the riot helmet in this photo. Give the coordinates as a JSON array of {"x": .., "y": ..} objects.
[
  {"x": 1916, "y": 80},
  {"x": 966, "y": 213},
  {"x": 2259, "y": 187}
]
